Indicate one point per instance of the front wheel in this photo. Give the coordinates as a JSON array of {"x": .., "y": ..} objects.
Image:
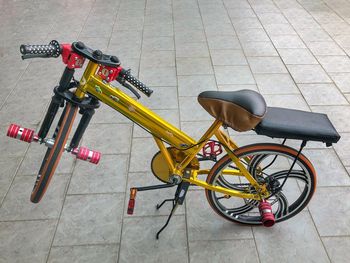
[
  {"x": 268, "y": 164},
  {"x": 53, "y": 155}
]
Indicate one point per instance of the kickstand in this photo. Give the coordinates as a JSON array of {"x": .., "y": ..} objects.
[
  {"x": 158, "y": 206},
  {"x": 169, "y": 217},
  {"x": 179, "y": 198}
]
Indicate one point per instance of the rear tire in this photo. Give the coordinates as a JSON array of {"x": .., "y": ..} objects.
[
  {"x": 269, "y": 163},
  {"x": 53, "y": 155}
]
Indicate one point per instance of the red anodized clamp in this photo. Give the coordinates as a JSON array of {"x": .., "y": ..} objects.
[
  {"x": 71, "y": 59},
  {"x": 108, "y": 73}
]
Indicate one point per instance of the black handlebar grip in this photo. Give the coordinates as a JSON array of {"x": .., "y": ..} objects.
[
  {"x": 31, "y": 51},
  {"x": 137, "y": 84}
]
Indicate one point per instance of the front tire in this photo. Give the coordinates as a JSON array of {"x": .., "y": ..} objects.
[
  {"x": 53, "y": 155},
  {"x": 268, "y": 163}
]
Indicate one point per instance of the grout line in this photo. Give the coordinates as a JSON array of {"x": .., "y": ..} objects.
[
  {"x": 305, "y": 43},
  {"x": 28, "y": 220},
  {"x": 335, "y": 11},
  {"x": 124, "y": 199},
  {"x": 131, "y": 144},
  {"x": 279, "y": 55},
  {"x": 14, "y": 86},
  {"x": 207, "y": 44},
  {"x": 21, "y": 75},
  {"x": 241, "y": 48},
  {"x": 73, "y": 166},
  {"x": 240, "y": 44},
  {"x": 256, "y": 245},
  {"x": 333, "y": 186},
  {"x": 176, "y": 71},
  {"x": 95, "y": 193},
  {"x": 180, "y": 127},
  {"x": 322, "y": 68},
  {"x": 303, "y": 95},
  {"x": 114, "y": 23},
  {"x": 177, "y": 214},
  {"x": 15, "y": 174},
  {"x": 225, "y": 239},
  {"x": 318, "y": 233},
  {"x": 87, "y": 244},
  {"x": 341, "y": 236},
  {"x": 295, "y": 85}
]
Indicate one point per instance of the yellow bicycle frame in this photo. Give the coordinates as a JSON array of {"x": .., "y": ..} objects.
[{"x": 92, "y": 84}]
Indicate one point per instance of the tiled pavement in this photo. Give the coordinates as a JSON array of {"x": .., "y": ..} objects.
[{"x": 295, "y": 52}]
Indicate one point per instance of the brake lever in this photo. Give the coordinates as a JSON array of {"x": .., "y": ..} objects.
[
  {"x": 126, "y": 85},
  {"x": 28, "y": 56}
]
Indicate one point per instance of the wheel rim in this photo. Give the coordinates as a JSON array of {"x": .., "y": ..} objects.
[{"x": 294, "y": 196}]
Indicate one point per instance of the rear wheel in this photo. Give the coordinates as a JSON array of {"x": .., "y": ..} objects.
[
  {"x": 53, "y": 155},
  {"x": 268, "y": 164}
]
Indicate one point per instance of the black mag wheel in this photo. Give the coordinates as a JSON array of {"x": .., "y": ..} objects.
[
  {"x": 53, "y": 155},
  {"x": 268, "y": 163}
]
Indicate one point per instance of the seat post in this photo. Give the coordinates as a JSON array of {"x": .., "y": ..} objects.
[{"x": 211, "y": 130}]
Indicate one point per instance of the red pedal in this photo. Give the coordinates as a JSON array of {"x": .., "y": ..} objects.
[
  {"x": 212, "y": 148},
  {"x": 20, "y": 133},
  {"x": 267, "y": 217},
  {"x": 85, "y": 154},
  {"x": 131, "y": 204}
]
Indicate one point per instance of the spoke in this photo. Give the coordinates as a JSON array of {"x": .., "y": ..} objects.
[
  {"x": 252, "y": 204},
  {"x": 223, "y": 197},
  {"x": 267, "y": 166},
  {"x": 296, "y": 174},
  {"x": 221, "y": 181},
  {"x": 282, "y": 205}
]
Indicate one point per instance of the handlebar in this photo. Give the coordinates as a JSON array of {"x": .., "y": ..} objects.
[
  {"x": 125, "y": 75},
  {"x": 53, "y": 49},
  {"x": 74, "y": 56}
]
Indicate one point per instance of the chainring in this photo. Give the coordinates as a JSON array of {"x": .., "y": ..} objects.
[{"x": 160, "y": 168}]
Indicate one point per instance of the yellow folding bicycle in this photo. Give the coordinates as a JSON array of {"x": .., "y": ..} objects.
[{"x": 255, "y": 184}]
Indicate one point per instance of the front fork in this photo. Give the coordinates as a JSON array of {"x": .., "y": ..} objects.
[
  {"x": 87, "y": 110},
  {"x": 55, "y": 103},
  {"x": 86, "y": 117}
]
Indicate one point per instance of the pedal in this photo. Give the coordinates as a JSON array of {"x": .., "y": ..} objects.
[
  {"x": 20, "y": 133},
  {"x": 267, "y": 217},
  {"x": 212, "y": 149},
  {"x": 85, "y": 154},
  {"x": 132, "y": 199}
]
